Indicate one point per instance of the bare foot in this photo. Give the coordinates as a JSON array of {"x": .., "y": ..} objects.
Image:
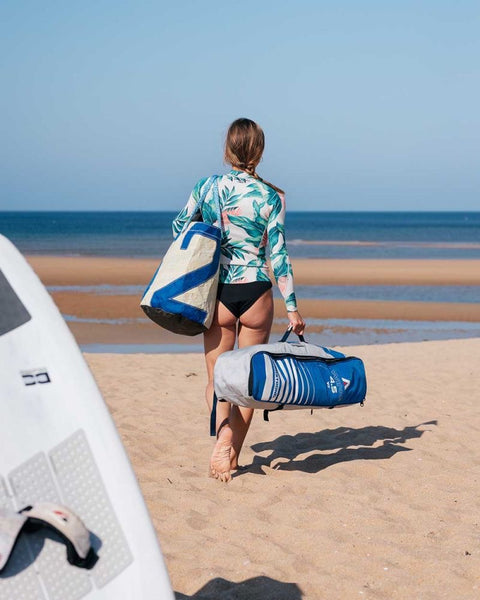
[{"x": 220, "y": 460}]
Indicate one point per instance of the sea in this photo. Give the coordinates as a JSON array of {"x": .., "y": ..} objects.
[
  {"x": 373, "y": 235},
  {"x": 309, "y": 234}
]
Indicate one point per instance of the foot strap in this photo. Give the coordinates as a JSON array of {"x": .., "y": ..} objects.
[
  {"x": 54, "y": 516},
  {"x": 11, "y": 524}
]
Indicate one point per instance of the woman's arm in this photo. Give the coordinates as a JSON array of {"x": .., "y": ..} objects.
[{"x": 282, "y": 268}]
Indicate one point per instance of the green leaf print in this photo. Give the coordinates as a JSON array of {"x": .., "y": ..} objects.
[
  {"x": 254, "y": 192},
  {"x": 257, "y": 209},
  {"x": 261, "y": 275},
  {"x": 231, "y": 201},
  {"x": 273, "y": 199},
  {"x": 198, "y": 189},
  {"x": 274, "y": 234},
  {"x": 233, "y": 249},
  {"x": 281, "y": 268},
  {"x": 223, "y": 274},
  {"x": 225, "y": 193},
  {"x": 255, "y": 230},
  {"x": 209, "y": 213},
  {"x": 291, "y": 301},
  {"x": 234, "y": 273}
]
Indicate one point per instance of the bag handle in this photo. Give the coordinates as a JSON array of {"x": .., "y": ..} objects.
[
  {"x": 288, "y": 332},
  {"x": 216, "y": 198},
  {"x": 211, "y": 182}
]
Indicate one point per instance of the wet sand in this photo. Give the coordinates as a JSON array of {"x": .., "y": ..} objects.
[{"x": 117, "y": 319}]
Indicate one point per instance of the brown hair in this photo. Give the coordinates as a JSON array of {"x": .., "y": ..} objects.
[{"x": 244, "y": 146}]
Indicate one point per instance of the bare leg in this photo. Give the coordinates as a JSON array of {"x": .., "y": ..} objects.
[
  {"x": 218, "y": 339},
  {"x": 240, "y": 419},
  {"x": 254, "y": 328},
  {"x": 220, "y": 459}
]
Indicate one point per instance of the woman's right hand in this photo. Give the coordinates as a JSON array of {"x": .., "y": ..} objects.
[{"x": 297, "y": 324}]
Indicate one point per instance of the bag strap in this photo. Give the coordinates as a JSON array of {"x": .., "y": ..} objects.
[
  {"x": 216, "y": 198},
  {"x": 287, "y": 333},
  {"x": 213, "y": 416},
  {"x": 211, "y": 182},
  {"x": 265, "y": 412}
]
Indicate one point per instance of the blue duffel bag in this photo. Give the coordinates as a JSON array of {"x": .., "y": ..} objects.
[{"x": 289, "y": 375}]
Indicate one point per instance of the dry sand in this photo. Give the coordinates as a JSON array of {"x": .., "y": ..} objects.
[{"x": 379, "y": 502}]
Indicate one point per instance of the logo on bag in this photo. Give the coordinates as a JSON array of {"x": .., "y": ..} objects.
[
  {"x": 346, "y": 382},
  {"x": 332, "y": 385},
  {"x": 35, "y": 376}
]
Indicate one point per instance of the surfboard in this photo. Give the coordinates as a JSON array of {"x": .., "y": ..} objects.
[{"x": 59, "y": 444}]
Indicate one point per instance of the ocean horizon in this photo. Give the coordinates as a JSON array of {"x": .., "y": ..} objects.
[{"x": 335, "y": 234}]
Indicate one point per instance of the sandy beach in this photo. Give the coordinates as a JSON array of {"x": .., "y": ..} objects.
[
  {"x": 376, "y": 502},
  {"x": 128, "y": 126},
  {"x": 379, "y": 502}
]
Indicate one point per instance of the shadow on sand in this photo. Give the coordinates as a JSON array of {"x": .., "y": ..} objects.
[
  {"x": 256, "y": 588},
  {"x": 333, "y": 446}
]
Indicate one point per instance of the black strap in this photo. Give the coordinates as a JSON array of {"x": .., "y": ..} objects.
[
  {"x": 213, "y": 417},
  {"x": 287, "y": 333},
  {"x": 265, "y": 412}
]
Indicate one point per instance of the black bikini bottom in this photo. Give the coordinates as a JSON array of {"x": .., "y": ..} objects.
[{"x": 239, "y": 297}]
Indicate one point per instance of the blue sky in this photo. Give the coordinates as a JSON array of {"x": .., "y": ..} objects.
[{"x": 112, "y": 105}]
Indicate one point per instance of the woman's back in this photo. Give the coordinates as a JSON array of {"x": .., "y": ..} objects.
[{"x": 253, "y": 214}]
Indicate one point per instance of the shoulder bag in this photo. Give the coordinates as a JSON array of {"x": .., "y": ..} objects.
[{"x": 182, "y": 294}]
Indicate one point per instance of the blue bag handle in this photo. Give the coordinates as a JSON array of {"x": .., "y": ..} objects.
[{"x": 212, "y": 181}]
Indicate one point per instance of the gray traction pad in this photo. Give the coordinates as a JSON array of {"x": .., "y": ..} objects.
[
  {"x": 25, "y": 585},
  {"x": 85, "y": 494},
  {"x": 18, "y": 582},
  {"x": 39, "y": 555},
  {"x": 13, "y": 313},
  {"x": 5, "y": 500},
  {"x": 33, "y": 482}
]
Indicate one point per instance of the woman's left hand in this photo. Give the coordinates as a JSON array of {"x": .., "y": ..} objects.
[{"x": 297, "y": 324}]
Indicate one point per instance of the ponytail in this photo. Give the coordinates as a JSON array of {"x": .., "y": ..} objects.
[{"x": 244, "y": 146}]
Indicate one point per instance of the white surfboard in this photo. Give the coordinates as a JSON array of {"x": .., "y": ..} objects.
[{"x": 58, "y": 444}]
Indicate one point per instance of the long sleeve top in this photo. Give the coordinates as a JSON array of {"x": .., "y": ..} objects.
[{"x": 253, "y": 215}]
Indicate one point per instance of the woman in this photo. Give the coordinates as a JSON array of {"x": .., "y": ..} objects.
[{"x": 253, "y": 213}]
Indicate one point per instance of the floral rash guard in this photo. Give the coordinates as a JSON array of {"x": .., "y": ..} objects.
[{"x": 253, "y": 214}]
